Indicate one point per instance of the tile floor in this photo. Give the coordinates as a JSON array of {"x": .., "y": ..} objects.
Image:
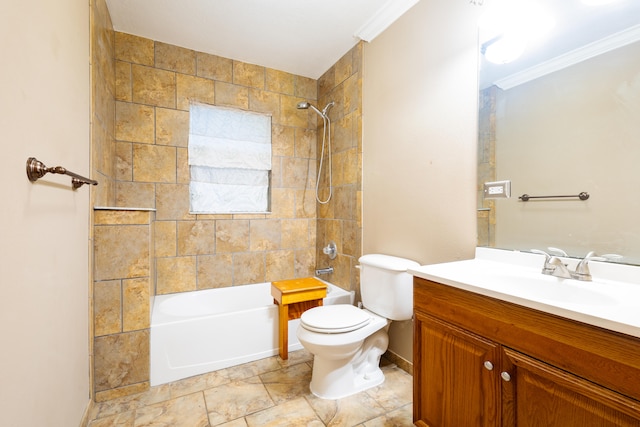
[{"x": 268, "y": 392}]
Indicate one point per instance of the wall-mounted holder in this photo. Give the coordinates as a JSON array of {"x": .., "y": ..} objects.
[
  {"x": 36, "y": 169},
  {"x": 582, "y": 196}
]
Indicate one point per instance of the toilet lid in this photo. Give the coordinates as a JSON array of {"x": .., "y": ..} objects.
[{"x": 334, "y": 319}]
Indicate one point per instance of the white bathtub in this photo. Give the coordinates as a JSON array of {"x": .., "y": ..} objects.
[{"x": 203, "y": 331}]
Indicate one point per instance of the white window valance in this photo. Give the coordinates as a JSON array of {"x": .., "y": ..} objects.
[{"x": 229, "y": 160}]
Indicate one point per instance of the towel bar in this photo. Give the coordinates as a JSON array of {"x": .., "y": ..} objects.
[{"x": 36, "y": 169}]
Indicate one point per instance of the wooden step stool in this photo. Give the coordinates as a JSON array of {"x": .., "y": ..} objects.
[{"x": 293, "y": 298}]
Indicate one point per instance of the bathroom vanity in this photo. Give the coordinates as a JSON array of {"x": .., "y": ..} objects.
[{"x": 484, "y": 356}]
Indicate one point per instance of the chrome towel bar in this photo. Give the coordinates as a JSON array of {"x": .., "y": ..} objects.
[
  {"x": 582, "y": 196},
  {"x": 36, "y": 169}
]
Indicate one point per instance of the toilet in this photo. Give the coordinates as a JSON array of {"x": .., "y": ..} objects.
[{"x": 347, "y": 341}]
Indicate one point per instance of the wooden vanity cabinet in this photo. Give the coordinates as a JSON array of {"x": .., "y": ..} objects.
[{"x": 479, "y": 361}]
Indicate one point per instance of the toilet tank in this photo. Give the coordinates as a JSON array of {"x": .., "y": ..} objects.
[{"x": 386, "y": 287}]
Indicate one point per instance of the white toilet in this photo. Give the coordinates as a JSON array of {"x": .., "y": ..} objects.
[{"x": 347, "y": 341}]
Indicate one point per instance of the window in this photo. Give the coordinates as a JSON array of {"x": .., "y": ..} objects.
[{"x": 229, "y": 160}]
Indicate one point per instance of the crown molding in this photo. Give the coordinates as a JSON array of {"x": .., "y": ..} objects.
[
  {"x": 609, "y": 43},
  {"x": 386, "y": 15}
]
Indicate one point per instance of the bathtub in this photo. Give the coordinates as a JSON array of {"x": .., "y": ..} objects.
[{"x": 202, "y": 331}]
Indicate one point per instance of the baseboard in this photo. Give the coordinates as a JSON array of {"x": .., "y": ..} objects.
[{"x": 399, "y": 361}]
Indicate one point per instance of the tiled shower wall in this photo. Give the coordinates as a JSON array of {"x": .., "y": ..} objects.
[
  {"x": 102, "y": 105},
  {"x": 141, "y": 95},
  {"x": 155, "y": 83},
  {"x": 340, "y": 219}
]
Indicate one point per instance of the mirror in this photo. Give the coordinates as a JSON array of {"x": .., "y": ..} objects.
[{"x": 561, "y": 119}]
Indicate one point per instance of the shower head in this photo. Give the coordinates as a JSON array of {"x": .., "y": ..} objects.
[{"x": 305, "y": 105}]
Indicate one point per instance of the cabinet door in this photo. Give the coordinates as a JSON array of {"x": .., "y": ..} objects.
[
  {"x": 544, "y": 396},
  {"x": 456, "y": 373}
]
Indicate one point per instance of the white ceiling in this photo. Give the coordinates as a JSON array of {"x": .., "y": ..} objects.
[{"x": 303, "y": 37}]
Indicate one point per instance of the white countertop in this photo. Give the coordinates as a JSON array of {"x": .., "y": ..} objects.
[{"x": 610, "y": 301}]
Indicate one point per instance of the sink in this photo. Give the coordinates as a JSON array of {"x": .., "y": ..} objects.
[
  {"x": 540, "y": 287},
  {"x": 611, "y": 300}
]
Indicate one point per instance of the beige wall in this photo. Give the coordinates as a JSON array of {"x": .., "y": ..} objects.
[
  {"x": 44, "y": 112},
  {"x": 419, "y": 139}
]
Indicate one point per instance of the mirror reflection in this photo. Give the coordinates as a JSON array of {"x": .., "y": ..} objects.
[{"x": 560, "y": 115}]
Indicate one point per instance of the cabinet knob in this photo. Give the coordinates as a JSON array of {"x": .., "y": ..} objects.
[
  {"x": 488, "y": 365},
  {"x": 505, "y": 376}
]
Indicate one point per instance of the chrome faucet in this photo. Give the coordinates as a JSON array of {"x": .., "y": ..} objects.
[
  {"x": 582, "y": 269},
  {"x": 553, "y": 266},
  {"x": 321, "y": 271}
]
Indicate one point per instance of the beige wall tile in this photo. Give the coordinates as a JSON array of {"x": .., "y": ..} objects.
[
  {"x": 215, "y": 271},
  {"x": 232, "y": 236},
  {"x": 121, "y": 359},
  {"x": 123, "y": 81},
  {"x": 135, "y": 304},
  {"x": 135, "y": 194},
  {"x": 231, "y": 95},
  {"x": 107, "y": 307},
  {"x": 306, "y": 88},
  {"x": 290, "y": 115},
  {"x": 262, "y": 101},
  {"x": 121, "y": 251},
  {"x": 176, "y": 274},
  {"x": 196, "y": 237},
  {"x": 135, "y": 123},
  {"x": 295, "y": 233},
  {"x": 326, "y": 82},
  {"x": 351, "y": 167},
  {"x": 305, "y": 262},
  {"x": 282, "y": 203},
  {"x": 280, "y": 81},
  {"x": 172, "y": 202},
  {"x": 283, "y": 140},
  {"x": 351, "y": 238},
  {"x": 265, "y": 235},
  {"x": 295, "y": 172},
  {"x": 128, "y": 390},
  {"x": 345, "y": 198},
  {"x": 352, "y": 93},
  {"x": 251, "y": 75},
  {"x": 154, "y": 87},
  {"x": 154, "y": 163},
  {"x": 343, "y": 68},
  {"x": 343, "y": 134},
  {"x": 119, "y": 217},
  {"x": 248, "y": 267},
  {"x": 175, "y": 58},
  {"x": 123, "y": 161},
  {"x": 184, "y": 174},
  {"x": 306, "y": 141},
  {"x": 130, "y": 48},
  {"x": 165, "y": 238},
  {"x": 305, "y": 203},
  {"x": 214, "y": 67},
  {"x": 172, "y": 127},
  {"x": 194, "y": 89},
  {"x": 280, "y": 265}
]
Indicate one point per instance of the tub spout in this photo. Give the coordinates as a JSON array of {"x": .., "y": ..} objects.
[{"x": 321, "y": 271}]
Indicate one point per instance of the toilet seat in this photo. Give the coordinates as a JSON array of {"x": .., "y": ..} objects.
[{"x": 334, "y": 319}]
